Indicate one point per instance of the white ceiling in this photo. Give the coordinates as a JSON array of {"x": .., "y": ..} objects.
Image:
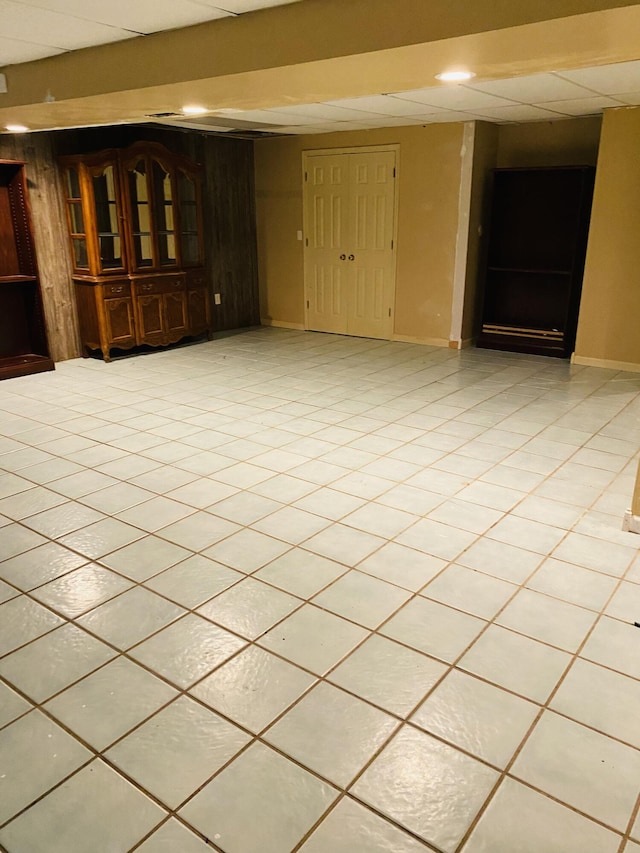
[
  {"x": 34, "y": 29},
  {"x": 538, "y": 97}
]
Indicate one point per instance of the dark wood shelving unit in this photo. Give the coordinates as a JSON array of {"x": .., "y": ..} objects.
[
  {"x": 537, "y": 246},
  {"x": 24, "y": 347}
]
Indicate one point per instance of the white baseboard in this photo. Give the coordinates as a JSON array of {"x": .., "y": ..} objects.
[
  {"x": 631, "y": 366},
  {"x": 429, "y": 342}
]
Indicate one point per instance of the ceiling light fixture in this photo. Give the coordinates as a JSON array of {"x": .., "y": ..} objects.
[
  {"x": 16, "y": 128},
  {"x": 455, "y": 76},
  {"x": 194, "y": 111}
]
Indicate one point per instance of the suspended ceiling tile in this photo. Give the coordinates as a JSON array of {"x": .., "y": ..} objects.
[
  {"x": 13, "y": 51},
  {"x": 519, "y": 112},
  {"x": 323, "y": 112},
  {"x": 582, "y": 106},
  {"x": 299, "y": 130},
  {"x": 629, "y": 98},
  {"x": 608, "y": 79},
  {"x": 140, "y": 16},
  {"x": 535, "y": 89},
  {"x": 40, "y": 26},
  {"x": 392, "y": 121},
  {"x": 237, "y": 7},
  {"x": 382, "y": 104},
  {"x": 267, "y": 116},
  {"x": 451, "y": 116},
  {"x": 457, "y": 98}
]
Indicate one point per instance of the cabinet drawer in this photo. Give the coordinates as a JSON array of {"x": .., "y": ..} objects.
[
  {"x": 196, "y": 279},
  {"x": 159, "y": 285},
  {"x": 120, "y": 288}
]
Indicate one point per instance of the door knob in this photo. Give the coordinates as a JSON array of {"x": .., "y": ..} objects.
[
  {"x": 352, "y": 257},
  {"x": 343, "y": 257}
]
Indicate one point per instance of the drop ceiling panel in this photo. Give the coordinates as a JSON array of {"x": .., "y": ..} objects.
[
  {"x": 453, "y": 98},
  {"x": 13, "y": 51},
  {"x": 381, "y": 104},
  {"x": 239, "y": 6},
  {"x": 519, "y": 112},
  {"x": 322, "y": 112},
  {"x": 582, "y": 106},
  {"x": 140, "y": 16},
  {"x": 40, "y": 26},
  {"x": 268, "y": 116},
  {"x": 608, "y": 79},
  {"x": 629, "y": 98},
  {"x": 535, "y": 89}
]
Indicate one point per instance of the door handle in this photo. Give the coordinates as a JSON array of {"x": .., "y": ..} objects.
[
  {"x": 343, "y": 257},
  {"x": 352, "y": 257}
]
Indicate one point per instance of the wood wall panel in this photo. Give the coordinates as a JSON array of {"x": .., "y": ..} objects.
[
  {"x": 228, "y": 212},
  {"x": 50, "y": 230}
]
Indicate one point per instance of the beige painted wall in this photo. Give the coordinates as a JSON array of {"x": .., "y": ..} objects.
[
  {"x": 569, "y": 142},
  {"x": 429, "y": 182},
  {"x": 610, "y": 308}
]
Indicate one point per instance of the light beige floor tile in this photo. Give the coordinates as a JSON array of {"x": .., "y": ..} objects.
[
  {"x": 515, "y": 662},
  {"x": 477, "y": 717},
  {"x": 253, "y": 688},
  {"x": 519, "y": 818},
  {"x": 177, "y": 750},
  {"x": 427, "y": 787},
  {"x": 248, "y": 805},
  {"x": 387, "y": 674},
  {"x": 67, "y": 817},
  {"x": 584, "y": 769}
]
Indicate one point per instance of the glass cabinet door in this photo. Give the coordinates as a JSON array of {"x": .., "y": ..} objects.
[
  {"x": 107, "y": 219},
  {"x": 164, "y": 218},
  {"x": 140, "y": 214},
  {"x": 75, "y": 218},
  {"x": 190, "y": 252}
]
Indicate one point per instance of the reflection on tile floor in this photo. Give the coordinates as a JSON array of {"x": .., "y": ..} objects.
[{"x": 289, "y": 591}]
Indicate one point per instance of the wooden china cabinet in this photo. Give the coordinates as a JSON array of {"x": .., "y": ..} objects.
[{"x": 135, "y": 225}]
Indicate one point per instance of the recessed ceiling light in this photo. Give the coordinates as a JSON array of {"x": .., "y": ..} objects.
[
  {"x": 194, "y": 111},
  {"x": 16, "y": 128},
  {"x": 454, "y": 76}
]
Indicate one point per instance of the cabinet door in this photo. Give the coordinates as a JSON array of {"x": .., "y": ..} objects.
[
  {"x": 120, "y": 326},
  {"x": 175, "y": 315},
  {"x": 107, "y": 218},
  {"x": 199, "y": 311},
  {"x": 149, "y": 314}
]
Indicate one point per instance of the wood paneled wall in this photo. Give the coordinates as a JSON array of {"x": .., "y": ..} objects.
[
  {"x": 50, "y": 236},
  {"x": 228, "y": 212}
]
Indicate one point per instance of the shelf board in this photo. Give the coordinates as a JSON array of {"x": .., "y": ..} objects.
[
  {"x": 17, "y": 279},
  {"x": 529, "y": 271},
  {"x": 24, "y": 364}
]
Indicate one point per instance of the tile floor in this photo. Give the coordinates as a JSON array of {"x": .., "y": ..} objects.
[{"x": 289, "y": 591}]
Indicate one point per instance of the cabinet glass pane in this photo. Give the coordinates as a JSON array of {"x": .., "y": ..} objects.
[
  {"x": 72, "y": 182},
  {"x": 189, "y": 243},
  {"x": 80, "y": 257},
  {"x": 107, "y": 222},
  {"x": 76, "y": 218},
  {"x": 190, "y": 249},
  {"x": 163, "y": 209},
  {"x": 140, "y": 219}
]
